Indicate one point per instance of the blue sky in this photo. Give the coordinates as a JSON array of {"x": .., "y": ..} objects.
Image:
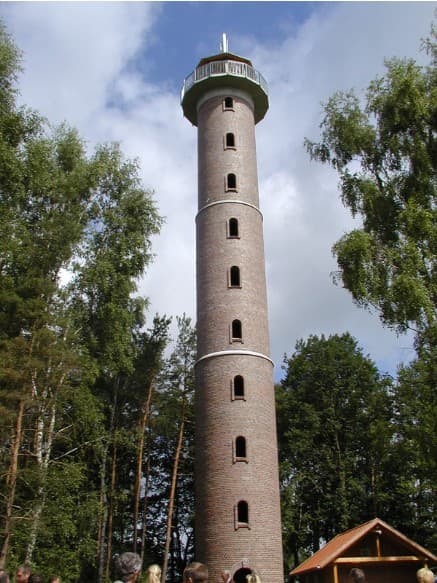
[
  {"x": 114, "y": 70},
  {"x": 267, "y": 22}
]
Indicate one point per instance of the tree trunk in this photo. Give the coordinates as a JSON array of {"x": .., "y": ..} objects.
[
  {"x": 102, "y": 538},
  {"x": 11, "y": 483},
  {"x": 144, "y": 517},
  {"x": 172, "y": 493},
  {"x": 43, "y": 453},
  {"x": 103, "y": 516},
  {"x": 111, "y": 509},
  {"x": 139, "y": 468},
  {"x": 343, "y": 504}
]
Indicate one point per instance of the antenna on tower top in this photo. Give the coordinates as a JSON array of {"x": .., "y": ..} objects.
[{"x": 224, "y": 44}]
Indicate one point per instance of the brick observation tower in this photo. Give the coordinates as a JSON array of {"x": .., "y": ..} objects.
[{"x": 238, "y": 524}]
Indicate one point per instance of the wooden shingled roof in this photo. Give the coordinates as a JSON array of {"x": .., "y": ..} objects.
[{"x": 338, "y": 547}]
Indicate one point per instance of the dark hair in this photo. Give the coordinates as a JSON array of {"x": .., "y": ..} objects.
[
  {"x": 197, "y": 571},
  {"x": 127, "y": 564},
  {"x": 357, "y": 575}
]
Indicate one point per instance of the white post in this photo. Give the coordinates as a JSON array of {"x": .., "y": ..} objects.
[{"x": 224, "y": 43}]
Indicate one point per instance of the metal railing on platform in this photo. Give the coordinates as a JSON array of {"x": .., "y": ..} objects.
[{"x": 217, "y": 68}]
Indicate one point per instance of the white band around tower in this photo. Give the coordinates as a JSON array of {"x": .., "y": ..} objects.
[
  {"x": 234, "y": 353},
  {"x": 230, "y": 201}
]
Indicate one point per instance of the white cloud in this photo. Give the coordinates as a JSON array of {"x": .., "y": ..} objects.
[
  {"x": 79, "y": 60},
  {"x": 73, "y": 52},
  {"x": 338, "y": 48}
]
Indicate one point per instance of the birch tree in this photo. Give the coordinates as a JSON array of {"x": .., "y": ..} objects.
[
  {"x": 61, "y": 345},
  {"x": 386, "y": 157}
]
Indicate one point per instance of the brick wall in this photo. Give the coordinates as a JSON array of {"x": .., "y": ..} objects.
[{"x": 222, "y": 480}]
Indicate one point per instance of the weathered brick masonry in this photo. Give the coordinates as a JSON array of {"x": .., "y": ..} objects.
[{"x": 238, "y": 524}]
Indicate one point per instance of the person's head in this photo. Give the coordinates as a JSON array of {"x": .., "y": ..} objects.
[
  {"x": 54, "y": 579},
  {"x": 357, "y": 576},
  {"x": 425, "y": 575},
  {"x": 128, "y": 566},
  {"x": 33, "y": 578},
  {"x": 195, "y": 572},
  {"x": 153, "y": 574},
  {"x": 22, "y": 574}
]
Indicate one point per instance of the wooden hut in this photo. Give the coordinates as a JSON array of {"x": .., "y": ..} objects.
[{"x": 383, "y": 553}]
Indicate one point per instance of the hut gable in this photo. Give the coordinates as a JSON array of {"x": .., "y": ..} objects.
[{"x": 381, "y": 551}]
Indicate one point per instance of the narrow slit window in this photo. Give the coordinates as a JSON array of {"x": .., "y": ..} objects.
[
  {"x": 235, "y": 276},
  {"x": 238, "y": 387},
  {"x": 243, "y": 513},
  {"x": 230, "y": 140},
  {"x": 233, "y": 227},
  {"x": 237, "y": 330},
  {"x": 240, "y": 447},
  {"x": 231, "y": 182},
  {"x": 228, "y": 103}
]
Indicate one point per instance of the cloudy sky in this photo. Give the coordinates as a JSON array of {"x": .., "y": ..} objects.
[{"x": 115, "y": 70}]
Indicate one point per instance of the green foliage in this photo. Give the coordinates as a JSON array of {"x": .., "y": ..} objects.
[
  {"x": 75, "y": 359},
  {"x": 334, "y": 428},
  {"x": 386, "y": 156},
  {"x": 9, "y": 69},
  {"x": 416, "y": 422},
  {"x": 173, "y": 406},
  {"x": 385, "y": 153},
  {"x": 113, "y": 254}
]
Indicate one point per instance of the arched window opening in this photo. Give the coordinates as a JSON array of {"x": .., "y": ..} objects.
[
  {"x": 238, "y": 387},
  {"x": 231, "y": 181},
  {"x": 240, "y": 447},
  {"x": 235, "y": 276},
  {"x": 236, "y": 330},
  {"x": 230, "y": 140},
  {"x": 243, "y": 512},
  {"x": 233, "y": 227},
  {"x": 228, "y": 103}
]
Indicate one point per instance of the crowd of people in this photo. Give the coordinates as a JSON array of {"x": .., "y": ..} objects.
[
  {"x": 128, "y": 566},
  {"x": 128, "y": 570},
  {"x": 24, "y": 574},
  {"x": 423, "y": 575}
]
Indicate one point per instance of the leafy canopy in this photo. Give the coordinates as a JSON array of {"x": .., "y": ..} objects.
[
  {"x": 385, "y": 153},
  {"x": 334, "y": 412}
]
